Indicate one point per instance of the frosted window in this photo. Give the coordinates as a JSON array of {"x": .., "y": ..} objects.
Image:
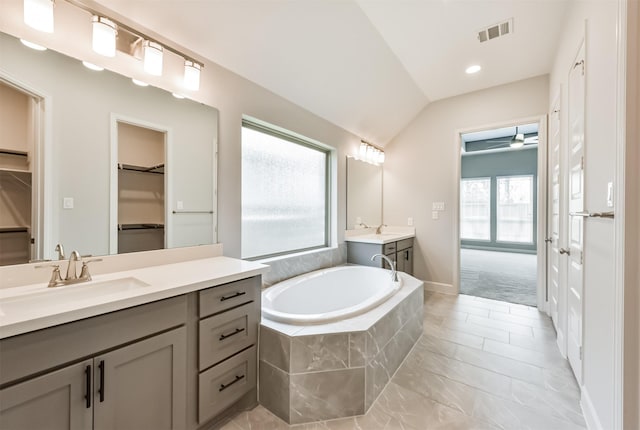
[
  {"x": 475, "y": 209},
  {"x": 515, "y": 209},
  {"x": 284, "y": 195}
]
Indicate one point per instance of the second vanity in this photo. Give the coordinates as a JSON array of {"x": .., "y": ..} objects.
[
  {"x": 395, "y": 243},
  {"x": 173, "y": 346}
]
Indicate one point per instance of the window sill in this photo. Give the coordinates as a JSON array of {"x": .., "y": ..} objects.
[{"x": 295, "y": 254}]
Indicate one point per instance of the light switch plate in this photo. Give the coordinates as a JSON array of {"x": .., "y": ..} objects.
[
  {"x": 179, "y": 205},
  {"x": 610, "y": 194},
  {"x": 435, "y": 215},
  {"x": 67, "y": 203},
  {"x": 410, "y": 221},
  {"x": 437, "y": 206}
]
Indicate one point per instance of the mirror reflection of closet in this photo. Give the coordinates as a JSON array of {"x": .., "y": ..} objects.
[
  {"x": 17, "y": 128},
  {"x": 141, "y": 188}
]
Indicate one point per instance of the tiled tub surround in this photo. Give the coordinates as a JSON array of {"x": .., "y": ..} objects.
[
  {"x": 320, "y": 372},
  {"x": 281, "y": 268}
]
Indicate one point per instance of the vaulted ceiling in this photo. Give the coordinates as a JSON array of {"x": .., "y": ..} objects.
[{"x": 368, "y": 66}]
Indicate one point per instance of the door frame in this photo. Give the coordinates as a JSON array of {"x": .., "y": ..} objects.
[
  {"x": 44, "y": 217},
  {"x": 541, "y": 227},
  {"x": 113, "y": 177}
]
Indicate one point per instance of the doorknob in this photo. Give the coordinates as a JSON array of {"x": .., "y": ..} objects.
[
  {"x": 549, "y": 240},
  {"x": 565, "y": 251}
]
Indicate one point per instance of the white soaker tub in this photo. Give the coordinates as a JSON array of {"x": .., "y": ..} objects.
[{"x": 328, "y": 295}]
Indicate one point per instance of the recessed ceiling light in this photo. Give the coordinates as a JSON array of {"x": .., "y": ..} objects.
[
  {"x": 33, "y": 45},
  {"x": 178, "y": 96},
  {"x": 92, "y": 66},
  {"x": 473, "y": 69},
  {"x": 139, "y": 82}
]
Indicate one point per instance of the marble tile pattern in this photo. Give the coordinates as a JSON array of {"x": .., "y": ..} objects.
[
  {"x": 459, "y": 376},
  {"x": 335, "y": 375},
  {"x": 283, "y": 268}
]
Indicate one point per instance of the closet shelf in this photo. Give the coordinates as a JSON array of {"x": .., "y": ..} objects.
[
  {"x": 123, "y": 227},
  {"x": 14, "y": 229},
  {"x": 159, "y": 169},
  {"x": 14, "y": 152}
]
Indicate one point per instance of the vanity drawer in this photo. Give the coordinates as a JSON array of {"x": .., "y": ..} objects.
[
  {"x": 405, "y": 243},
  {"x": 225, "y": 334},
  {"x": 389, "y": 248},
  {"x": 222, "y": 385},
  {"x": 225, "y": 296}
]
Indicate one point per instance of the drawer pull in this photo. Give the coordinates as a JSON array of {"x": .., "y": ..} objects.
[
  {"x": 233, "y": 296},
  {"x": 101, "y": 388},
  {"x": 224, "y": 336},
  {"x": 224, "y": 387}
]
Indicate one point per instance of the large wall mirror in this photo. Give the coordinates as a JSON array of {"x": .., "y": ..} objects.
[
  {"x": 92, "y": 161},
  {"x": 364, "y": 194}
]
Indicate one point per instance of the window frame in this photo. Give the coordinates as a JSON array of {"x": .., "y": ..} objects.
[{"x": 328, "y": 151}]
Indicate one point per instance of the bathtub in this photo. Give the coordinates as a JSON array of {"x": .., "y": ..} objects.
[{"x": 328, "y": 295}]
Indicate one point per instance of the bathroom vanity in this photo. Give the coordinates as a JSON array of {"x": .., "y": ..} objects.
[
  {"x": 174, "y": 350},
  {"x": 398, "y": 246}
]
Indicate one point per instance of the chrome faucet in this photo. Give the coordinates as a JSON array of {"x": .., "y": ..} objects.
[
  {"x": 394, "y": 274},
  {"x": 60, "y": 250},
  {"x": 379, "y": 228},
  {"x": 363, "y": 225},
  {"x": 72, "y": 274}
]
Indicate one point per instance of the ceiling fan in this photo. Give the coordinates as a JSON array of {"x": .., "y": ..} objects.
[{"x": 517, "y": 141}]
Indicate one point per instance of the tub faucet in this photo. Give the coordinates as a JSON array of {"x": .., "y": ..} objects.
[{"x": 394, "y": 274}]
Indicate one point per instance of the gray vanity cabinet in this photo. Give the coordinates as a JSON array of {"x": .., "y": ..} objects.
[
  {"x": 55, "y": 401},
  {"x": 400, "y": 252},
  {"x": 140, "y": 386},
  {"x": 143, "y": 385}
]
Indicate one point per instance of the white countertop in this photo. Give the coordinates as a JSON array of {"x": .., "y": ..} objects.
[
  {"x": 380, "y": 239},
  {"x": 41, "y": 307}
]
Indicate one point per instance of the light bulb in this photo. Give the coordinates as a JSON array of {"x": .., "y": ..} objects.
[
  {"x": 104, "y": 36},
  {"x": 38, "y": 14},
  {"x": 32, "y": 45},
  {"x": 153, "y": 58},
  {"x": 191, "y": 75}
]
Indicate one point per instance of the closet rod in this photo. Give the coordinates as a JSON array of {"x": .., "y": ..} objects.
[
  {"x": 192, "y": 212},
  {"x": 152, "y": 169},
  {"x": 14, "y": 176}
]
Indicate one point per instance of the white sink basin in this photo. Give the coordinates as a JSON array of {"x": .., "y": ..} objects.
[{"x": 61, "y": 296}]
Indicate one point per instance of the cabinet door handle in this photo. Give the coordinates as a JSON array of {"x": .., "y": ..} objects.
[
  {"x": 406, "y": 255},
  {"x": 101, "y": 388},
  {"x": 232, "y": 296},
  {"x": 235, "y": 332},
  {"x": 87, "y": 376},
  {"x": 224, "y": 387}
]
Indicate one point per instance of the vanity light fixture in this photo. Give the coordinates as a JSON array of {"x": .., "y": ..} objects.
[
  {"x": 92, "y": 66},
  {"x": 139, "y": 83},
  {"x": 152, "y": 58},
  {"x": 38, "y": 14},
  {"x": 370, "y": 154},
  {"x": 32, "y": 45},
  {"x": 104, "y": 36},
  {"x": 192, "y": 75}
]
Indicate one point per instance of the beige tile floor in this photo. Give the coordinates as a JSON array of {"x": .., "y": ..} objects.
[{"x": 480, "y": 364}]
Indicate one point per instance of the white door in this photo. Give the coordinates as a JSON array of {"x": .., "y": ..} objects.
[
  {"x": 552, "y": 240},
  {"x": 576, "y": 204}
]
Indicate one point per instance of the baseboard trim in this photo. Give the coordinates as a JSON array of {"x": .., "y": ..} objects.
[
  {"x": 589, "y": 411},
  {"x": 561, "y": 343},
  {"x": 439, "y": 287}
]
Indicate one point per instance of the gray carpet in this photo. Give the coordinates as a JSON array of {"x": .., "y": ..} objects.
[{"x": 505, "y": 276}]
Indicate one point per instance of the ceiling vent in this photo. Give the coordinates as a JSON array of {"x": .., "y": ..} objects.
[{"x": 496, "y": 30}]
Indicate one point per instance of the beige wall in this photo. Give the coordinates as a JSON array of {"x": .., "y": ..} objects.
[
  {"x": 595, "y": 21},
  {"x": 421, "y": 162}
]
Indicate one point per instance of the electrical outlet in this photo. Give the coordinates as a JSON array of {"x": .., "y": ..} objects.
[
  {"x": 435, "y": 215},
  {"x": 410, "y": 221},
  {"x": 67, "y": 203}
]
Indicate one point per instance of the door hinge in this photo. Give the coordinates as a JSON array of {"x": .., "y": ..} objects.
[
  {"x": 581, "y": 163},
  {"x": 581, "y": 353}
]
